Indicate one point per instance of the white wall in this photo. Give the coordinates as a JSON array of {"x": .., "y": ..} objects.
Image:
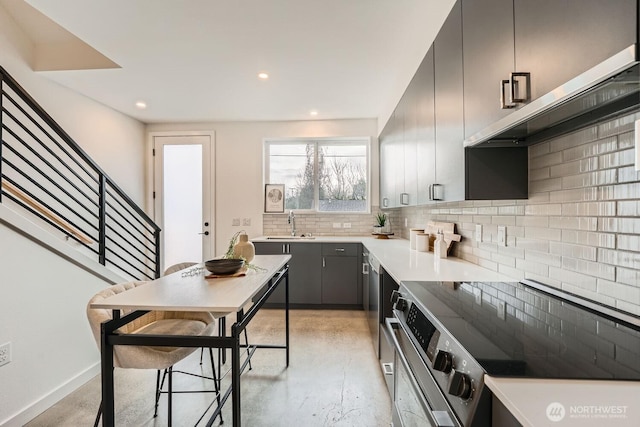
[
  {"x": 238, "y": 150},
  {"x": 42, "y": 307}
]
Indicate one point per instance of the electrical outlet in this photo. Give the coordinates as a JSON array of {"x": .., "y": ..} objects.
[
  {"x": 246, "y": 222},
  {"x": 502, "y": 235},
  {"x": 337, "y": 225},
  {"x": 346, "y": 225},
  {"x": 5, "y": 353},
  {"x": 235, "y": 222},
  {"x": 478, "y": 232},
  {"x": 406, "y": 222}
]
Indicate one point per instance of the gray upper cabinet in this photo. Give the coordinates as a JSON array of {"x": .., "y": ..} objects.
[
  {"x": 449, "y": 111},
  {"x": 488, "y": 46},
  {"x": 408, "y": 196},
  {"x": 554, "y": 41},
  {"x": 425, "y": 128},
  {"x": 391, "y": 154}
]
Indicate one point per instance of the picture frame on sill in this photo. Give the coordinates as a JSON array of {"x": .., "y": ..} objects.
[{"x": 274, "y": 198}]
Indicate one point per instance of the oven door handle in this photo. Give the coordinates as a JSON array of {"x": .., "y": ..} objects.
[{"x": 437, "y": 418}]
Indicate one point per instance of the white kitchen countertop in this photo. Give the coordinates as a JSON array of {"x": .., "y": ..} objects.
[
  {"x": 404, "y": 264},
  {"x": 569, "y": 403}
]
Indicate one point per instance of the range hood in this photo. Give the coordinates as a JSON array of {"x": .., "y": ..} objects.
[{"x": 611, "y": 87}]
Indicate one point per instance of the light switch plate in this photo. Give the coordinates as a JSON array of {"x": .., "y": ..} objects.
[
  {"x": 502, "y": 235},
  {"x": 346, "y": 225},
  {"x": 235, "y": 222},
  {"x": 337, "y": 225},
  {"x": 478, "y": 233}
]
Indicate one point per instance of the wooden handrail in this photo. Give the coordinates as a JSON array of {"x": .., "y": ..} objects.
[{"x": 34, "y": 204}]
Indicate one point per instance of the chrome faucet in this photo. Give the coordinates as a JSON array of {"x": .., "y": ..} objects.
[{"x": 292, "y": 221}]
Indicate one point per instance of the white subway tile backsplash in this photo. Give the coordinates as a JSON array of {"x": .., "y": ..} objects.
[
  {"x": 628, "y": 276},
  {"x": 574, "y": 139},
  {"x": 589, "y": 209},
  {"x": 574, "y": 195},
  {"x": 573, "y": 251},
  {"x": 573, "y": 168},
  {"x": 540, "y": 233},
  {"x": 603, "y": 271},
  {"x": 551, "y": 184},
  {"x": 603, "y": 240},
  {"x": 545, "y": 160},
  {"x": 543, "y": 258},
  {"x": 579, "y": 230},
  {"x": 629, "y": 208}
]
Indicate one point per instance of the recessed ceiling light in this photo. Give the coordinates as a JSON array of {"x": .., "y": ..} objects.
[
  {"x": 141, "y": 105},
  {"x": 313, "y": 112},
  {"x": 263, "y": 76}
]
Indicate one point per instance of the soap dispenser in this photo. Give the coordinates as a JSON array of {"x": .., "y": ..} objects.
[{"x": 440, "y": 246}]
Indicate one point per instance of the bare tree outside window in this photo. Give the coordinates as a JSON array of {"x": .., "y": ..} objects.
[{"x": 323, "y": 176}]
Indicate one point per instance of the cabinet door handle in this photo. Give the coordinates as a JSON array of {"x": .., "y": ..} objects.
[
  {"x": 385, "y": 202},
  {"x": 503, "y": 95},
  {"x": 283, "y": 249},
  {"x": 288, "y": 248},
  {"x": 404, "y": 198},
  {"x": 514, "y": 91},
  {"x": 339, "y": 249},
  {"x": 387, "y": 368},
  {"x": 324, "y": 264},
  {"x": 365, "y": 268},
  {"x": 430, "y": 191}
]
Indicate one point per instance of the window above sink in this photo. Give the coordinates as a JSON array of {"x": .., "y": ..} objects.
[{"x": 324, "y": 175}]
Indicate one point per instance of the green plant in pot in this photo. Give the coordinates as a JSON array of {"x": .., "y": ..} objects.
[{"x": 381, "y": 221}]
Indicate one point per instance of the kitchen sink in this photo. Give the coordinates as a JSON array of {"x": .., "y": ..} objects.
[{"x": 290, "y": 238}]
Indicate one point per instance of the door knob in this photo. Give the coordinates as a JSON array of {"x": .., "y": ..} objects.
[{"x": 206, "y": 233}]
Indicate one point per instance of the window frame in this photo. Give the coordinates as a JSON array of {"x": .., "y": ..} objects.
[{"x": 319, "y": 141}]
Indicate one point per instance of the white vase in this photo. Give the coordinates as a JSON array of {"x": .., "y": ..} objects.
[{"x": 244, "y": 248}]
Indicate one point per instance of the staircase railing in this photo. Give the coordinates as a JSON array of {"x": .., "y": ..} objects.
[{"x": 46, "y": 175}]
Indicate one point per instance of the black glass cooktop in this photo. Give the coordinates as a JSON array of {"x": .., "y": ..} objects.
[{"x": 515, "y": 329}]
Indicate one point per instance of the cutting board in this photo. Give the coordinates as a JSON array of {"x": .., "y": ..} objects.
[{"x": 447, "y": 228}]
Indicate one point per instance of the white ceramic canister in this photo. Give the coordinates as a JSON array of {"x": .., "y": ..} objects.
[
  {"x": 413, "y": 232},
  {"x": 422, "y": 242}
]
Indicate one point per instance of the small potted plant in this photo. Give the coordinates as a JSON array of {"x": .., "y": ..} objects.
[{"x": 381, "y": 220}]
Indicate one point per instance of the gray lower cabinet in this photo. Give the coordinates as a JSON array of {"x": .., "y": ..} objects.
[
  {"x": 341, "y": 274},
  {"x": 319, "y": 273},
  {"x": 304, "y": 271}
]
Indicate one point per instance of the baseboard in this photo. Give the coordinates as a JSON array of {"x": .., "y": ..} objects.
[{"x": 50, "y": 399}]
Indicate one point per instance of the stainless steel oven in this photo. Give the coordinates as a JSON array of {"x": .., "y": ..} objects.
[
  {"x": 449, "y": 335},
  {"x": 416, "y": 402}
]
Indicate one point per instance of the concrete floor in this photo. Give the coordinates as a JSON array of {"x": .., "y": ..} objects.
[{"x": 333, "y": 380}]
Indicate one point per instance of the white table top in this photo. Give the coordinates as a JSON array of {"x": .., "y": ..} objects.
[{"x": 195, "y": 293}]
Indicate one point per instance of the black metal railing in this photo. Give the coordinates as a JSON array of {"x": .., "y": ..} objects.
[{"x": 45, "y": 174}]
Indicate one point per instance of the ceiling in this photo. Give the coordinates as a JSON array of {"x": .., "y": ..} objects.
[{"x": 198, "y": 60}]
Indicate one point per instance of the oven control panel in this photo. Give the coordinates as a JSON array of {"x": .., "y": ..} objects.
[{"x": 458, "y": 376}]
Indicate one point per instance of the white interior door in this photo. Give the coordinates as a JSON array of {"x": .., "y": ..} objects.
[{"x": 183, "y": 200}]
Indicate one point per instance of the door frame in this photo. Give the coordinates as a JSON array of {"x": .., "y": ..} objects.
[{"x": 150, "y": 178}]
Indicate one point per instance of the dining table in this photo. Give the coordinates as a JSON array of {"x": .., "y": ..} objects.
[{"x": 195, "y": 289}]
